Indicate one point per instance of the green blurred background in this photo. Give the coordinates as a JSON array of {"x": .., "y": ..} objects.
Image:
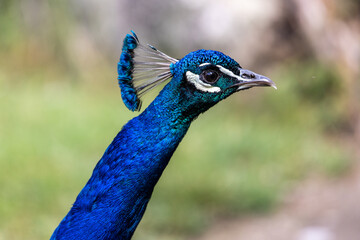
[{"x": 60, "y": 106}]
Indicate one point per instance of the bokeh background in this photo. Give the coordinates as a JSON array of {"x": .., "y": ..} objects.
[{"x": 263, "y": 164}]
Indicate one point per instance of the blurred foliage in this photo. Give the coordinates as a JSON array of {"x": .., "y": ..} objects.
[
  {"x": 56, "y": 121},
  {"x": 323, "y": 87},
  {"x": 317, "y": 83}
]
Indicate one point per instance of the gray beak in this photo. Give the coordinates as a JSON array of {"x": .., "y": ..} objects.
[{"x": 248, "y": 79}]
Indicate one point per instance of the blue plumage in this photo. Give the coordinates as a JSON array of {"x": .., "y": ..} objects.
[
  {"x": 125, "y": 68},
  {"x": 113, "y": 201}
]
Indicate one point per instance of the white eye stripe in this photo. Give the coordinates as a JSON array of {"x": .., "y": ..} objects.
[
  {"x": 231, "y": 74},
  {"x": 200, "y": 85},
  {"x": 204, "y": 64},
  {"x": 224, "y": 70}
]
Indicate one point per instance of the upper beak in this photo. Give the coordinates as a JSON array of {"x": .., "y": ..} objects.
[{"x": 248, "y": 79}]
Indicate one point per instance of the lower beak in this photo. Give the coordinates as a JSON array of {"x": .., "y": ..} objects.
[{"x": 248, "y": 79}]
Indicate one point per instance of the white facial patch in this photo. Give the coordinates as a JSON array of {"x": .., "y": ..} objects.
[{"x": 200, "y": 85}]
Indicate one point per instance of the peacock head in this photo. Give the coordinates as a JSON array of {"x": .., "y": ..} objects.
[{"x": 204, "y": 76}]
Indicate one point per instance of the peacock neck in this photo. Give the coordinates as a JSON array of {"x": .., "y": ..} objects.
[
  {"x": 158, "y": 131},
  {"x": 144, "y": 147},
  {"x": 114, "y": 199}
]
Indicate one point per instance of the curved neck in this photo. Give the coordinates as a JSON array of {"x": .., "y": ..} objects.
[{"x": 114, "y": 199}]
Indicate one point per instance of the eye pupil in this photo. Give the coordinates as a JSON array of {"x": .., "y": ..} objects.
[{"x": 211, "y": 76}]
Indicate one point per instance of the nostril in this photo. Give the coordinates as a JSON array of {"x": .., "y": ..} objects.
[
  {"x": 248, "y": 75},
  {"x": 245, "y": 75}
]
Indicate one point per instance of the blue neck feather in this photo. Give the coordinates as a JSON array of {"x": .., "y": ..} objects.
[{"x": 113, "y": 201}]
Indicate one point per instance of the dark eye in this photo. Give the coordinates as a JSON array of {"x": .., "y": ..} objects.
[{"x": 210, "y": 76}]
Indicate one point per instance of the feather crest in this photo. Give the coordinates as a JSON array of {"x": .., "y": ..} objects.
[{"x": 141, "y": 68}]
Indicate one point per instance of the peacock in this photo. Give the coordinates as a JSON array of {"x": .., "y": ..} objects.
[{"x": 114, "y": 199}]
